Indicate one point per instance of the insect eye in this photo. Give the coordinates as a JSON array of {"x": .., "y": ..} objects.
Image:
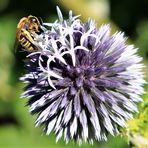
[
  {"x": 34, "y": 20},
  {"x": 40, "y": 20}
]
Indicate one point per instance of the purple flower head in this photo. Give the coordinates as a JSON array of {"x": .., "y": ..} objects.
[{"x": 83, "y": 82}]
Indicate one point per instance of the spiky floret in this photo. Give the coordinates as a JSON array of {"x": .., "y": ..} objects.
[{"x": 83, "y": 82}]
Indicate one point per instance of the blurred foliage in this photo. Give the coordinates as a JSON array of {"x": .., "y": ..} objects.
[
  {"x": 128, "y": 13},
  {"x": 96, "y": 9},
  {"x": 7, "y": 36},
  {"x": 137, "y": 131},
  {"x": 16, "y": 124},
  {"x": 141, "y": 40}
]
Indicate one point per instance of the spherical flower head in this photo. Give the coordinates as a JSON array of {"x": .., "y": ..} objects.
[{"x": 82, "y": 82}]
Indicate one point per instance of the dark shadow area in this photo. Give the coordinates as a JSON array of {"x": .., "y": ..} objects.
[{"x": 128, "y": 13}]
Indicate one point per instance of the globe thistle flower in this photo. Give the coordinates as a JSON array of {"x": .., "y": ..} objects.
[{"x": 82, "y": 82}]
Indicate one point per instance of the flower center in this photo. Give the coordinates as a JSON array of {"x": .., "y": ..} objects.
[{"x": 80, "y": 76}]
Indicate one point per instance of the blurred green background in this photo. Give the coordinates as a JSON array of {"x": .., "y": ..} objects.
[{"x": 16, "y": 124}]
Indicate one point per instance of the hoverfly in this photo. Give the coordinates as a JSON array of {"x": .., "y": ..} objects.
[{"x": 27, "y": 28}]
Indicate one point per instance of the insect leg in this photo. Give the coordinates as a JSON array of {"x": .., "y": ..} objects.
[{"x": 27, "y": 35}]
